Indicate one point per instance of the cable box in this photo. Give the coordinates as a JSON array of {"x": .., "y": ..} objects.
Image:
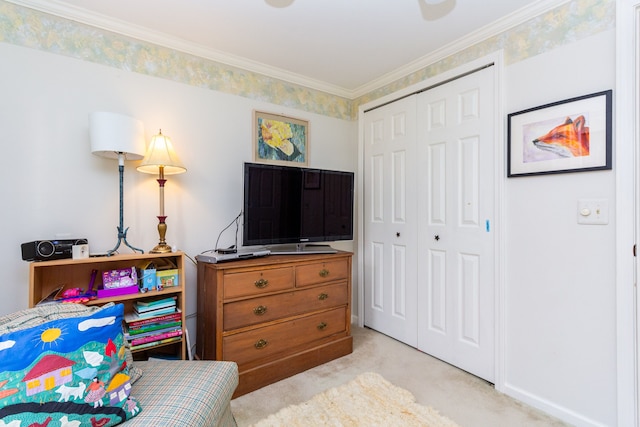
[{"x": 217, "y": 257}]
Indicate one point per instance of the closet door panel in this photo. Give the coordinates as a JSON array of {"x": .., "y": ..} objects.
[
  {"x": 455, "y": 212},
  {"x": 390, "y": 220}
]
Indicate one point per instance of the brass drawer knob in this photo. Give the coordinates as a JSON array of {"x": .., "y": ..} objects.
[
  {"x": 323, "y": 296},
  {"x": 260, "y": 344},
  {"x": 261, "y": 284},
  {"x": 260, "y": 310},
  {"x": 322, "y": 326},
  {"x": 324, "y": 272}
]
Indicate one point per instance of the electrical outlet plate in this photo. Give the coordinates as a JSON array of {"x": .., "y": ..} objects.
[
  {"x": 593, "y": 211},
  {"x": 80, "y": 251}
]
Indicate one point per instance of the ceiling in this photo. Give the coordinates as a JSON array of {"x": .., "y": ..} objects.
[{"x": 345, "y": 47}]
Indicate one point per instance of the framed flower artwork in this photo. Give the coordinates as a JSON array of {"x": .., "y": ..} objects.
[{"x": 280, "y": 139}]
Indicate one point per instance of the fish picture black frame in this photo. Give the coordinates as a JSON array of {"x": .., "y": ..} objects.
[{"x": 573, "y": 135}]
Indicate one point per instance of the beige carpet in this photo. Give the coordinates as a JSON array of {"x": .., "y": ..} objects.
[{"x": 368, "y": 400}]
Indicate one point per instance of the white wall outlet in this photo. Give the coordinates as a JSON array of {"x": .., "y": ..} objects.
[
  {"x": 593, "y": 211},
  {"x": 80, "y": 251}
]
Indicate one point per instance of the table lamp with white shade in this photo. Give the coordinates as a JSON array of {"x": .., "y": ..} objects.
[{"x": 162, "y": 159}]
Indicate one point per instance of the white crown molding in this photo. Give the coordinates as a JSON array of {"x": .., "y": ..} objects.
[
  {"x": 503, "y": 24},
  {"x": 53, "y": 7},
  {"x": 66, "y": 11}
]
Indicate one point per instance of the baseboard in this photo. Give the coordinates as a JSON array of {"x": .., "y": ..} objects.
[{"x": 550, "y": 408}]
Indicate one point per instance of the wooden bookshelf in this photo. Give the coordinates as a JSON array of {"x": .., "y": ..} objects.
[{"x": 46, "y": 276}]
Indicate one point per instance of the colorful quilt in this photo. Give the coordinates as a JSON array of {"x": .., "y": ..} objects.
[{"x": 67, "y": 372}]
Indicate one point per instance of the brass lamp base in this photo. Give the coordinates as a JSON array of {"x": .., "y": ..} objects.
[{"x": 162, "y": 248}]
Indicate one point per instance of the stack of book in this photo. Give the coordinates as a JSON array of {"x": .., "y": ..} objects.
[{"x": 153, "y": 323}]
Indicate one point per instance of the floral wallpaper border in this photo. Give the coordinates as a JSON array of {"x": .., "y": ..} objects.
[{"x": 22, "y": 26}]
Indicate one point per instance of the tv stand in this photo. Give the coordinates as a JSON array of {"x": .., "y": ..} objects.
[
  {"x": 274, "y": 316},
  {"x": 301, "y": 248}
]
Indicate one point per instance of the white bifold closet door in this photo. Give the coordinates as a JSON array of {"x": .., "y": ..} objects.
[
  {"x": 429, "y": 207},
  {"x": 390, "y": 220}
]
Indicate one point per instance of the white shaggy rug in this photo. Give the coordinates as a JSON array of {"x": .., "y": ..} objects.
[{"x": 368, "y": 400}]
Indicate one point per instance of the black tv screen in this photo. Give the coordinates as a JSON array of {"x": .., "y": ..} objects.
[{"x": 285, "y": 204}]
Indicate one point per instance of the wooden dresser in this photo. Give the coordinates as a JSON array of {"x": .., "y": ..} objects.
[{"x": 275, "y": 316}]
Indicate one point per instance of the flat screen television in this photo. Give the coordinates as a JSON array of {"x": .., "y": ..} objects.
[{"x": 289, "y": 207}]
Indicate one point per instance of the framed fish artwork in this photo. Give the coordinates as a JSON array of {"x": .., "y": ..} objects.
[
  {"x": 574, "y": 135},
  {"x": 280, "y": 139}
]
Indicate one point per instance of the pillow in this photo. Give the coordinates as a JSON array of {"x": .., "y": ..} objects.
[
  {"x": 43, "y": 313},
  {"x": 34, "y": 316},
  {"x": 72, "y": 371}
]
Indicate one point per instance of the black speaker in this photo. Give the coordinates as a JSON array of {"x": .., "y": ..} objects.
[{"x": 42, "y": 250}]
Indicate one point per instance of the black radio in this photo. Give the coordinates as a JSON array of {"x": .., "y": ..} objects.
[{"x": 41, "y": 250}]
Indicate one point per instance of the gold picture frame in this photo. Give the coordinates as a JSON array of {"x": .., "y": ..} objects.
[{"x": 280, "y": 139}]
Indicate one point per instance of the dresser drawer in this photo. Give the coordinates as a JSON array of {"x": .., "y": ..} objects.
[
  {"x": 257, "y": 282},
  {"x": 321, "y": 272},
  {"x": 263, "y": 309},
  {"x": 282, "y": 338}
]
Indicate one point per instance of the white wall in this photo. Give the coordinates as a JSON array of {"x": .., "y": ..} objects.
[
  {"x": 52, "y": 185},
  {"x": 560, "y": 285}
]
